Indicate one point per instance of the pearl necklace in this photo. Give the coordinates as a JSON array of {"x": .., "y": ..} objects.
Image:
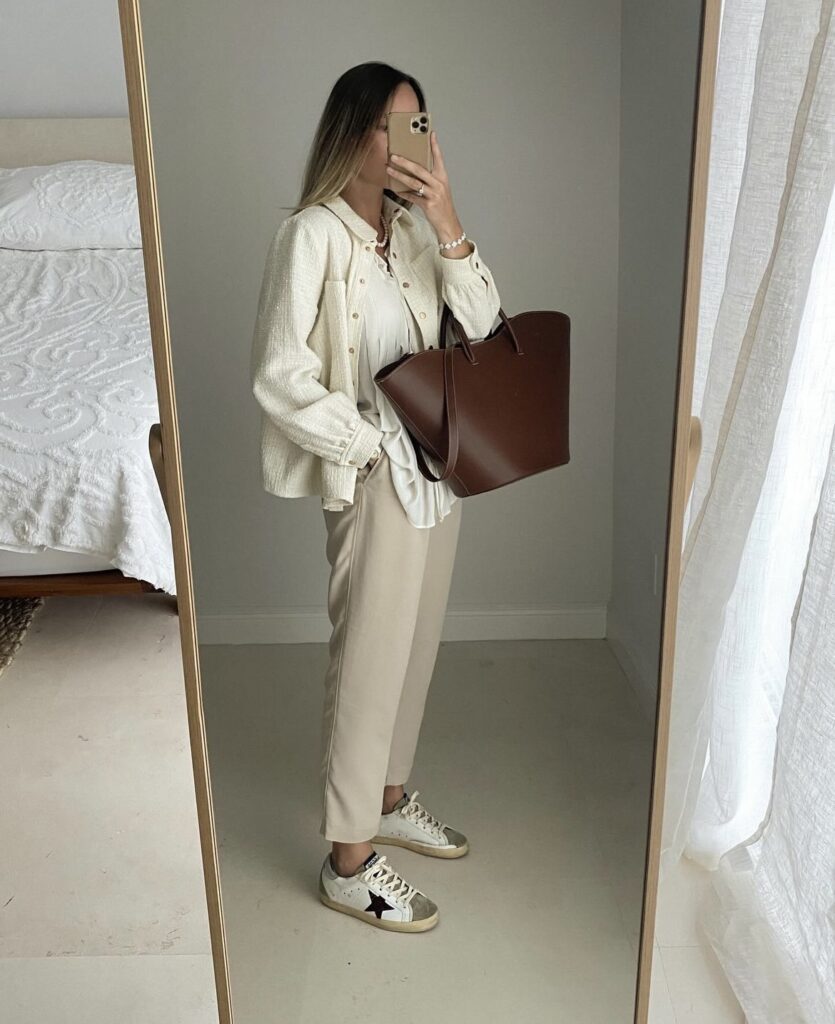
[{"x": 382, "y": 245}]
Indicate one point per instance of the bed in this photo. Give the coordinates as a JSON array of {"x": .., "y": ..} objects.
[{"x": 82, "y": 501}]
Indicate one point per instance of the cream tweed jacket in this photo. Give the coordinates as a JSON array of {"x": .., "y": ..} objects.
[{"x": 308, "y": 329}]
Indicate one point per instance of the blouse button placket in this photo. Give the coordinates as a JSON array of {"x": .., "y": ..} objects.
[{"x": 355, "y": 316}]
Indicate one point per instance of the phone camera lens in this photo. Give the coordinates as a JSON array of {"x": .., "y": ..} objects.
[{"x": 423, "y": 120}]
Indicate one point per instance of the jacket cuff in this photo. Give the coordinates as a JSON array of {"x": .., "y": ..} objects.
[
  {"x": 363, "y": 444},
  {"x": 463, "y": 268}
]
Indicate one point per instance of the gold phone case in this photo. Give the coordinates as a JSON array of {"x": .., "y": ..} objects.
[{"x": 408, "y": 135}]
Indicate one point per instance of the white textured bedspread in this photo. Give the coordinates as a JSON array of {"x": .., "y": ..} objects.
[{"x": 77, "y": 399}]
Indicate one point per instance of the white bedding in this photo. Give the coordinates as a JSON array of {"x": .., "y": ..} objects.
[{"x": 77, "y": 400}]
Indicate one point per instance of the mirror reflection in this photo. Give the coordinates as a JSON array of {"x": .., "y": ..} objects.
[{"x": 426, "y": 711}]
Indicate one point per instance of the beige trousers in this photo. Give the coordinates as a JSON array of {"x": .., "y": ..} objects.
[{"x": 387, "y": 598}]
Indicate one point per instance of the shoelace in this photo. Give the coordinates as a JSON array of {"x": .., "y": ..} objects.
[
  {"x": 387, "y": 878},
  {"x": 417, "y": 813}
]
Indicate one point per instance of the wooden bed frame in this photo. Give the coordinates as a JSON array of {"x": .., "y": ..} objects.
[{"x": 27, "y": 141}]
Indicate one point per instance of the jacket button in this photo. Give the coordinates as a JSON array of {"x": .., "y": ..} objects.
[
  {"x": 405, "y": 284},
  {"x": 394, "y": 254},
  {"x": 355, "y": 315},
  {"x": 351, "y": 349},
  {"x": 422, "y": 315},
  {"x": 351, "y": 462},
  {"x": 362, "y": 280},
  {"x": 368, "y": 248}
]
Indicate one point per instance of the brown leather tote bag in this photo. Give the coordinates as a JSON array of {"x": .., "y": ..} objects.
[{"x": 494, "y": 411}]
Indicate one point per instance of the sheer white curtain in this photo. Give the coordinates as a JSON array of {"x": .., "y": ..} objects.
[
  {"x": 772, "y": 919},
  {"x": 765, "y": 392}
]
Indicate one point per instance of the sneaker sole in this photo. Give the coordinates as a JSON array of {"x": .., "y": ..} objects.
[
  {"x": 391, "y": 926},
  {"x": 431, "y": 851}
]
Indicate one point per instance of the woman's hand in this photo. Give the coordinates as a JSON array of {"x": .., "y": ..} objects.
[{"x": 436, "y": 201}]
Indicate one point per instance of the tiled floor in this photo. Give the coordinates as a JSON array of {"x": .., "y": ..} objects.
[
  {"x": 101, "y": 883},
  {"x": 688, "y": 984},
  {"x": 535, "y": 749}
]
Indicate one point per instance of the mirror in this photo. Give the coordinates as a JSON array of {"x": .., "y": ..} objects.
[
  {"x": 566, "y": 137},
  {"x": 105, "y": 913}
]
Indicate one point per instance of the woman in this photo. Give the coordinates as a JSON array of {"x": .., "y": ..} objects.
[{"x": 354, "y": 279}]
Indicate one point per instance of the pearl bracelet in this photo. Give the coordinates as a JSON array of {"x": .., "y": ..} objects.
[{"x": 451, "y": 245}]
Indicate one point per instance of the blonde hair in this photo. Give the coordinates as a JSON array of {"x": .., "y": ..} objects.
[{"x": 344, "y": 134}]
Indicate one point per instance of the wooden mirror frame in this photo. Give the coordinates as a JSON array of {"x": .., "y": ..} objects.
[
  {"x": 143, "y": 161},
  {"x": 681, "y": 475},
  {"x": 686, "y": 447}
]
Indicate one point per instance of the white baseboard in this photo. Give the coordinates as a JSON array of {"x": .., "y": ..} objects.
[
  {"x": 642, "y": 680},
  {"x": 306, "y": 626}
]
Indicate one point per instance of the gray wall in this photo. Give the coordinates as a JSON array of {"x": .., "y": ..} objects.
[
  {"x": 567, "y": 137},
  {"x": 61, "y": 58},
  {"x": 659, "y": 73},
  {"x": 528, "y": 122}
]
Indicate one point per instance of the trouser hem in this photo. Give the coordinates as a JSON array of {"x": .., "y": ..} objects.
[{"x": 341, "y": 835}]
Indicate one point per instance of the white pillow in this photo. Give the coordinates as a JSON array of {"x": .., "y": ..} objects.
[{"x": 74, "y": 204}]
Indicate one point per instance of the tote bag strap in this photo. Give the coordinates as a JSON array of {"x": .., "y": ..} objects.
[{"x": 451, "y": 431}]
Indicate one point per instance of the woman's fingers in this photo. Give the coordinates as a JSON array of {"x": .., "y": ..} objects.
[
  {"x": 438, "y": 166},
  {"x": 406, "y": 165},
  {"x": 408, "y": 179}
]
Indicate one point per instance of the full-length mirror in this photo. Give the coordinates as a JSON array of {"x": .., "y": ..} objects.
[{"x": 430, "y": 704}]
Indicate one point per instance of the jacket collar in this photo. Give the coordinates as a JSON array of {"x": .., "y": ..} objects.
[{"x": 346, "y": 213}]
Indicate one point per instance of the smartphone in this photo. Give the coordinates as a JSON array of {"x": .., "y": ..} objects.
[{"x": 408, "y": 135}]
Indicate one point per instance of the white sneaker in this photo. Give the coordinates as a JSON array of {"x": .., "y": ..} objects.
[
  {"x": 377, "y": 894},
  {"x": 410, "y": 825}
]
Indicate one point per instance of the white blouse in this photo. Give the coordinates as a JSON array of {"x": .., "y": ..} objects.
[{"x": 388, "y": 332}]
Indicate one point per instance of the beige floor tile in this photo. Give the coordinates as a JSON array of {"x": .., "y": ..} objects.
[
  {"x": 660, "y": 1004},
  {"x": 537, "y": 750},
  {"x": 533, "y": 920},
  {"x": 698, "y": 988},
  {"x": 106, "y": 989},
  {"x": 101, "y": 862},
  {"x": 105, "y": 857},
  {"x": 517, "y": 950},
  {"x": 680, "y": 893}
]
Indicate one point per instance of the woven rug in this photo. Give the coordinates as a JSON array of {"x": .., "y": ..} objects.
[{"x": 15, "y": 618}]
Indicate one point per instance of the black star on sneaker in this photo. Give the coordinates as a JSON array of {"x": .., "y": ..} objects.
[{"x": 378, "y": 904}]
